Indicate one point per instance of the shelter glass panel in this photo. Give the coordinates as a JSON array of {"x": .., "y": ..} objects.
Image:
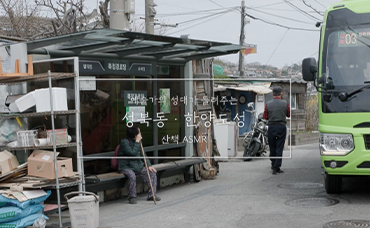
[
  {"x": 117, "y": 103},
  {"x": 171, "y": 105}
]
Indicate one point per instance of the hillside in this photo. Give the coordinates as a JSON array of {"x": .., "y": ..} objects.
[{"x": 255, "y": 69}]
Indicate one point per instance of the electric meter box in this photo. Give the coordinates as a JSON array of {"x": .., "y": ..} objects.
[{"x": 130, "y": 6}]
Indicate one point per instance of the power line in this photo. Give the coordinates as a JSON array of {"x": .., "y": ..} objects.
[
  {"x": 296, "y": 8},
  {"x": 233, "y": 8},
  {"x": 300, "y": 61},
  {"x": 277, "y": 46},
  {"x": 176, "y": 6},
  {"x": 213, "y": 17},
  {"x": 282, "y": 10},
  {"x": 283, "y": 26},
  {"x": 301, "y": 11},
  {"x": 278, "y": 3},
  {"x": 203, "y": 17},
  {"x": 204, "y": 12},
  {"x": 216, "y": 3},
  {"x": 320, "y": 4},
  {"x": 272, "y": 4},
  {"x": 200, "y": 18},
  {"x": 237, "y": 9},
  {"x": 194, "y": 12},
  {"x": 287, "y": 18},
  {"x": 312, "y": 8}
]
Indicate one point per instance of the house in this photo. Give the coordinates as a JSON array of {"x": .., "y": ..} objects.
[
  {"x": 233, "y": 100},
  {"x": 250, "y": 73}
]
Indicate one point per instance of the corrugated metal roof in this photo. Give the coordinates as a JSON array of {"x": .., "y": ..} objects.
[
  {"x": 259, "y": 80},
  {"x": 259, "y": 89},
  {"x": 294, "y": 80}
]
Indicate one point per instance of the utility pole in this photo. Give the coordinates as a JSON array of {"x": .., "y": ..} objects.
[
  {"x": 241, "y": 41},
  {"x": 150, "y": 13},
  {"x": 118, "y": 16}
]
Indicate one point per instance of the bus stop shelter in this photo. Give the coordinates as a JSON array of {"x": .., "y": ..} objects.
[{"x": 114, "y": 65}]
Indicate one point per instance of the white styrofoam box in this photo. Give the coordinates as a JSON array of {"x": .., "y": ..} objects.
[
  {"x": 221, "y": 136},
  {"x": 232, "y": 142},
  {"x": 226, "y": 139},
  {"x": 25, "y": 102},
  {"x": 42, "y": 97}
]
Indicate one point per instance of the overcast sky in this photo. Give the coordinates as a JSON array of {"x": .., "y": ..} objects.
[{"x": 220, "y": 21}]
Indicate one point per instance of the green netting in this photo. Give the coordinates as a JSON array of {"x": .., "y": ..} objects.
[{"x": 218, "y": 70}]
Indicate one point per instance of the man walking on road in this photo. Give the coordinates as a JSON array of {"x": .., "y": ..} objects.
[{"x": 276, "y": 112}]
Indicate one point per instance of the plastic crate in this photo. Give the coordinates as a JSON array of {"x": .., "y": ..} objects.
[
  {"x": 26, "y": 138},
  {"x": 61, "y": 136}
]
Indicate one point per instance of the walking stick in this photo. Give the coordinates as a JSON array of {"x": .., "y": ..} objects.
[{"x": 147, "y": 171}]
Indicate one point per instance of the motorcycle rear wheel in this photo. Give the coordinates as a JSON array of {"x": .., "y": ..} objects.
[{"x": 251, "y": 151}]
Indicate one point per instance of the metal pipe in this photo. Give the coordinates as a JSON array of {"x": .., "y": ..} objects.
[
  {"x": 50, "y": 60},
  {"x": 43, "y": 51},
  {"x": 55, "y": 149},
  {"x": 80, "y": 163},
  {"x": 154, "y": 81}
]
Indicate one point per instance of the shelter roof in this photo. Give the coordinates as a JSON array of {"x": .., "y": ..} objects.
[{"x": 110, "y": 43}]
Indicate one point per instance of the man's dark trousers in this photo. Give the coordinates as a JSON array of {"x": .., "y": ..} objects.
[{"x": 276, "y": 137}]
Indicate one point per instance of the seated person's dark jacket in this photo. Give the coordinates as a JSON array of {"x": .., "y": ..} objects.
[{"x": 130, "y": 148}]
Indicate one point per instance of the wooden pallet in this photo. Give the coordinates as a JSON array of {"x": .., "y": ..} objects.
[{"x": 17, "y": 72}]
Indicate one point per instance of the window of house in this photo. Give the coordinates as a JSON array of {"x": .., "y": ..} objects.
[
  {"x": 293, "y": 101},
  {"x": 260, "y": 97}
]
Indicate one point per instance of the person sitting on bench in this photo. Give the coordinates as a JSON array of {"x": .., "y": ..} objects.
[{"x": 131, "y": 147}]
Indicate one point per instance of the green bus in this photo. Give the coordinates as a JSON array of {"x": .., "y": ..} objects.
[{"x": 342, "y": 78}]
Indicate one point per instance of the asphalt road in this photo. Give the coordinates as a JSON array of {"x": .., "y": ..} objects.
[{"x": 246, "y": 194}]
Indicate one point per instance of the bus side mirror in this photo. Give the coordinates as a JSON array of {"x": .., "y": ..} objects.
[{"x": 309, "y": 69}]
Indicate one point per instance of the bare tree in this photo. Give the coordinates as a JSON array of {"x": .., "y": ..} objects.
[
  {"x": 32, "y": 19},
  {"x": 23, "y": 18},
  {"x": 18, "y": 18},
  {"x": 103, "y": 8},
  {"x": 68, "y": 15}
]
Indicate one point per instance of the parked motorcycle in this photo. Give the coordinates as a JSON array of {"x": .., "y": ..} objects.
[{"x": 255, "y": 141}]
